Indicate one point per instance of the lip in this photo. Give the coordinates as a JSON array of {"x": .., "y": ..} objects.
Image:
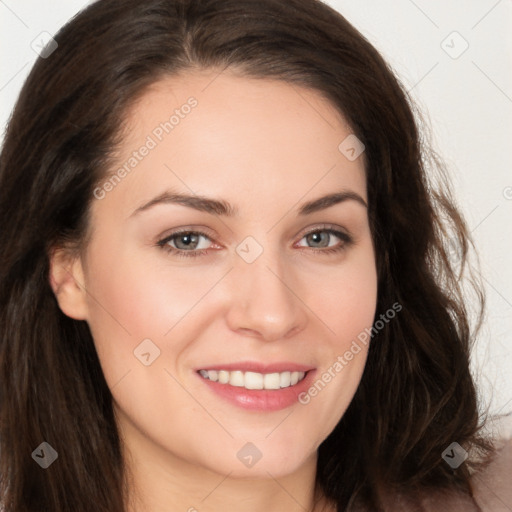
[
  {"x": 254, "y": 366},
  {"x": 261, "y": 400}
]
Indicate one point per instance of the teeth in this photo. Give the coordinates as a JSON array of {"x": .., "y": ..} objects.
[
  {"x": 236, "y": 378},
  {"x": 223, "y": 377},
  {"x": 271, "y": 381},
  {"x": 254, "y": 380},
  {"x": 284, "y": 379}
]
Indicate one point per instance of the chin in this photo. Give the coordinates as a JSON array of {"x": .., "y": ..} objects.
[{"x": 253, "y": 462}]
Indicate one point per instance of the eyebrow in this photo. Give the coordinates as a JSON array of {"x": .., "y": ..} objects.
[{"x": 224, "y": 208}]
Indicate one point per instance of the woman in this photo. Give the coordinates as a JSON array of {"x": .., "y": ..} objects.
[{"x": 172, "y": 336}]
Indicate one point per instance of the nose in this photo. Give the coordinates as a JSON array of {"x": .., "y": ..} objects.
[{"x": 263, "y": 301}]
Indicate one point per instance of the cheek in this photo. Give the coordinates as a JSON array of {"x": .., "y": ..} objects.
[
  {"x": 129, "y": 296},
  {"x": 347, "y": 298},
  {"x": 347, "y": 306},
  {"x": 132, "y": 300}
]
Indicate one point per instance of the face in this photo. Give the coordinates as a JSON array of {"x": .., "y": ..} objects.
[{"x": 220, "y": 289}]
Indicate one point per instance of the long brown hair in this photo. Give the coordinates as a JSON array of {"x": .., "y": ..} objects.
[{"x": 417, "y": 395}]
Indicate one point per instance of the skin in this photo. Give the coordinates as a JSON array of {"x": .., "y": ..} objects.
[{"x": 266, "y": 147}]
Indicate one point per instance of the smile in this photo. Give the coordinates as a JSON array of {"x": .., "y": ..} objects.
[{"x": 254, "y": 380}]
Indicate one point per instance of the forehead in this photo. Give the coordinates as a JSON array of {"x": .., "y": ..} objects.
[{"x": 218, "y": 133}]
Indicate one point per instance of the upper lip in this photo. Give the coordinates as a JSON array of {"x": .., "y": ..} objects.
[{"x": 257, "y": 367}]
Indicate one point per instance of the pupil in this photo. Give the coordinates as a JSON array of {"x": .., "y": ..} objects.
[
  {"x": 317, "y": 237},
  {"x": 188, "y": 239}
]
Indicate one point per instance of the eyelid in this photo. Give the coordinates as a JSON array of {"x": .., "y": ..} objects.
[
  {"x": 320, "y": 227},
  {"x": 201, "y": 230}
]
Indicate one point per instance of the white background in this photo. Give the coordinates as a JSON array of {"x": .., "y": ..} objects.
[{"x": 467, "y": 100}]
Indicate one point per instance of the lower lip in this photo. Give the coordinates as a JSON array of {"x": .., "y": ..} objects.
[{"x": 261, "y": 399}]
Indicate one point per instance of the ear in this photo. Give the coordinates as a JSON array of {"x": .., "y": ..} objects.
[{"x": 67, "y": 282}]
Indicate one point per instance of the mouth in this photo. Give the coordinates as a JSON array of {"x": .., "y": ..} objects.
[
  {"x": 254, "y": 380},
  {"x": 256, "y": 386}
]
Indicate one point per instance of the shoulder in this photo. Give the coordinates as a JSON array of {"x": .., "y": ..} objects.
[
  {"x": 435, "y": 501},
  {"x": 492, "y": 488}
]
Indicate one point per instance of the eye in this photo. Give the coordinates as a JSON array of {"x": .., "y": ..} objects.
[
  {"x": 321, "y": 238},
  {"x": 185, "y": 243},
  {"x": 190, "y": 244}
]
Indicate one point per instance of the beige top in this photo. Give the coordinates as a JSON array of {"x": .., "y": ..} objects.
[{"x": 492, "y": 490}]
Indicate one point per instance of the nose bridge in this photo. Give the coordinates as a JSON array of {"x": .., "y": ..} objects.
[{"x": 262, "y": 300}]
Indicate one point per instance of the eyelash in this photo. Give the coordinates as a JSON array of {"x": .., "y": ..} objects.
[{"x": 164, "y": 243}]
